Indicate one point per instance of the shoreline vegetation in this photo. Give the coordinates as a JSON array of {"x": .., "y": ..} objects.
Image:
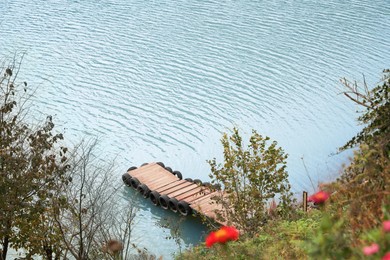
[
  {"x": 350, "y": 217},
  {"x": 53, "y": 206}
]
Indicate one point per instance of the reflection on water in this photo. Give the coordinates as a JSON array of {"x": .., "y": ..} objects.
[{"x": 162, "y": 225}]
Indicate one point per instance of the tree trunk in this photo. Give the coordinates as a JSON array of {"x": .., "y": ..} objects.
[
  {"x": 5, "y": 248},
  {"x": 49, "y": 253}
]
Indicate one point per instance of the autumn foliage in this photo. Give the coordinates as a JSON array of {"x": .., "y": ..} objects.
[{"x": 32, "y": 166}]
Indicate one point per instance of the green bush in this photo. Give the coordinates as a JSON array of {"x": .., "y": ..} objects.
[{"x": 251, "y": 178}]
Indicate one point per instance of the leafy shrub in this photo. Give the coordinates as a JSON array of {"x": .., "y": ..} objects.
[{"x": 251, "y": 179}]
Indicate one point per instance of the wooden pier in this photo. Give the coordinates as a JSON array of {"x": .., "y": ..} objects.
[{"x": 166, "y": 188}]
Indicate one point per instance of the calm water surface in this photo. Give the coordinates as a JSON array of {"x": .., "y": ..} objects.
[{"x": 161, "y": 80}]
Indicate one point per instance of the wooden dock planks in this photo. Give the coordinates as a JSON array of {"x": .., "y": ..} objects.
[{"x": 158, "y": 179}]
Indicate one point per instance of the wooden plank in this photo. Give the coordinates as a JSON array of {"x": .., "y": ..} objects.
[
  {"x": 150, "y": 178},
  {"x": 211, "y": 213},
  {"x": 144, "y": 172},
  {"x": 153, "y": 177},
  {"x": 165, "y": 173},
  {"x": 172, "y": 184},
  {"x": 146, "y": 169},
  {"x": 195, "y": 192},
  {"x": 175, "y": 188},
  {"x": 181, "y": 191},
  {"x": 158, "y": 179},
  {"x": 194, "y": 201},
  {"x": 207, "y": 206},
  {"x": 209, "y": 210},
  {"x": 140, "y": 169},
  {"x": 143, "y": 168},
  {"x": 162, "y": 181},
  {"x": 162, "y": 188},
  {"x": 194, "y": 197}
]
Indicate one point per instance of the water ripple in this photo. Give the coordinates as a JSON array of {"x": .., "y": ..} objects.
[{"x": 162, "y": 80}]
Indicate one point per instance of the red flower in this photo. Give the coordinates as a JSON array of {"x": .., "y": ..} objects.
[
  {"x": 223, "y": 235},
  {"x": 370, "y": 250},
  {"x": 386, "y": 225},
  {"x": 319, "y": 197},
  {"x": 211, "y": 239},
  {"x": 386, "y": 256}
]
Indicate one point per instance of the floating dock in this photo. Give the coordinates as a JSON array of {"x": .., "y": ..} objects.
[{"x": 166, "y": 188}]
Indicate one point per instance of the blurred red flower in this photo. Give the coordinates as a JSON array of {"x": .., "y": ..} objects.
[
  {"x": 386, "y": 256},
  {"x": 223, "y": 235},
  {"x": 386, "y": 225},
  {"x": 370, "y": 250},
  {"x": 319, "y": 197}
]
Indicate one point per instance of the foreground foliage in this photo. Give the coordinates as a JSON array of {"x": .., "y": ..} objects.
[
  {"x": 31, "y": 165},
  {"x": 55, "y": 202},
  {"x": 354, "y": 222},
  {"x": 280, "y": 239}
]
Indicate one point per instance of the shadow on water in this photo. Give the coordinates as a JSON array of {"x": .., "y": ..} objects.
[{"x": 190, "y": 228}]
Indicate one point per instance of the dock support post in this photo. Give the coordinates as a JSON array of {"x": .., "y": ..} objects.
[{"x": 305, "y": 201}]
